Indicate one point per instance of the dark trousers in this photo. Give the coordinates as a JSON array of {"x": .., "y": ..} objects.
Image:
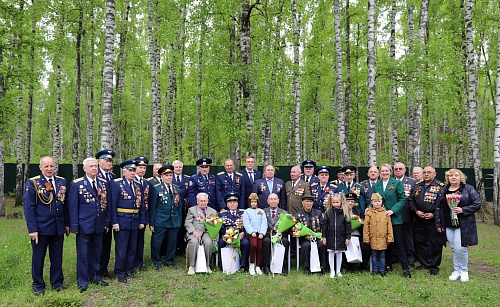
[
  {"x": 429, "y": 251},
  {"x": 398, "y": 247},
  {"x": 157, "y": 238},
  {"x": 266, "y": 251},
  {"x": 408, "y": 234},
  {"x": 88, "y": 255},
  {"x": 55, "y": 245},
  {"x": 245, "y": 250},
  {"x": 107, "y": 238},
  {"x": 139, "y": 253},
  {"x": 378, "y": 260},
  {"x": 305, "y": 246},
  {"x": 125, "y": 248},
  {"x": 181, "y": 243},
  {"x": 255, "y": 250}
]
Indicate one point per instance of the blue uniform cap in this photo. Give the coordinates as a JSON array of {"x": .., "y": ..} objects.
[
  {"x": 203, "y": 161},
  {"x": 105, "y": 154},
  {"x": 129, "y": 164},
  {"x": 322, "y": 169},
  {"x": 309, "y": 163},
  {"x": 165, "y": 169},
  {"x": 141, "y": 161},
  {"x": 231, "y": 196}
]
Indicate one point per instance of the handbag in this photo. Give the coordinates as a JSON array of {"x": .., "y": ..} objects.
[
  {"x": 315, "y": 265},
  {"x": 201, "y": 262},
  {"x": 230, "y": 259},
  {"x": 278, "y": 257},
  {"x": 353, "y": 252}
]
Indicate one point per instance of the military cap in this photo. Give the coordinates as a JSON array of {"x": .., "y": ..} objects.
[
  {"x": 165, "y": 169},
  {"x": 203, "y": 161},
  {"x": 309, "y": 163},
  {"x": 322, "y": 169},
  {"x": 307, "y": 196},
  {"x": 231, "y": 196},
  {"x": 141, "y": 161},
  {"x": 349, "y": 169},
  {"x": 339, "y": 170},
  {"x": 376, "y": 196},
  {"x": 105, "y": 154},
  {"x": 129, "y": 164},
  {"x": 351, "y": 196}
]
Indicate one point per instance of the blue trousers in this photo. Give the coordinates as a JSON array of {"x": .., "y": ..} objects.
[
  {"x": 55, "y": 245},
  {"x": 378, "y": 260},
  {"x": 125, "y": 249},
  {"x": 139, "y": 253},
  {"x": 88, "y": 256},
  {"x": 245, "y": 250},
  {"x": 107, "y": 239}
]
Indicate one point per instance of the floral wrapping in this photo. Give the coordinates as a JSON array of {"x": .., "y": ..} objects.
[{"x": 453, "y": 201}]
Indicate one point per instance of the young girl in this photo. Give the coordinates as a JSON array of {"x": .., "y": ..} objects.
[
  {"x": 336, "y": 229},
  {"x": 377, "y": 232},
  {"x": 255, "y": 223}
]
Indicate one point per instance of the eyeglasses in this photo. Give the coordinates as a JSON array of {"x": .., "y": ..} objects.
[{"x": 399, "y": 168}]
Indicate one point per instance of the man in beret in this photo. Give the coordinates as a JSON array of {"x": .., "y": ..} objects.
[
  {"x": 349, "y": 185},
  {"x": 105, "y": 161},
  {"x": 295, "y": 188},
  {"x": 165, "y": 216},
  {"x": 128, "y": 215},
  {"x": 323, "y": 189},
  {"x": 203, "y": 182},
  {"x": 229, "y": 181},
  {"x": 141, "y": 167},
  {"x": 308, "y": 175}
]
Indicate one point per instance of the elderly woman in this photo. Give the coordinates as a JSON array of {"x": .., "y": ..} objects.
[
  {"x": 455, "y": 210},
  {"x": 394, "y": 199},
  {"x": 196, "y": 231}
]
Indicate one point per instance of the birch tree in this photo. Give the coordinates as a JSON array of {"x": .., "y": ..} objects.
[
  {"x": 371, "y": 133},
  {"x": 296, "y": 78},
  {"x": 496, "y": 164},
  {"x": 393, "y": 122},
  {"x": 107, "y": 110},
  {"x": 76, "y": 114}
]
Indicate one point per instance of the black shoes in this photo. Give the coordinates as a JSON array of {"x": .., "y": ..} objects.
[
  {"x": 384, "y": 273},
  {"x": 434, "y": 271},
  {"x": 307, "y": 271},
  {"x": 39, "y": 292},
  {"x": 100, "y": 283},
  {"x": 59, "y": 288},
  {"x": 388, "y": 268},
  {"x": 266, "y": 270},
  {"x": 122, "y": 279},
  {"x": 407, "y": 274},
  {"x": 131, "y": 274},
  {"x": 82, "y": 289}
]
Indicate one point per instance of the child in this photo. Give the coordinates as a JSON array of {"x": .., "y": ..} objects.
[
  {"x": 336, "y": 230},
  {"x": 255, "y": 223},
  {"x": 378, "y": 233}
]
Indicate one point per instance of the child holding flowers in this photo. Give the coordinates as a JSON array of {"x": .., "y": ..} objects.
[
  {"x": 255, "y": 223},
  {"x": 336, "y": 229}
]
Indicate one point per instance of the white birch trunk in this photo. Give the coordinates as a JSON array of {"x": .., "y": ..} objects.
[
  {"x": 19, "y": 142},
  {"x": 78, "y": 85},
  {"x": 296, "y": 77},
  {"x": 409, "y": 89},
  {"x": 90, "y": 89},
  {"x": 107, "y": 110},
  {"x": 372, "y": 151},
  {"x": 394, "y": 119},
  {"x": 496, "y": 161},
  {"x": 200, "y": 82},
  {"x": 155, "y": 105}
]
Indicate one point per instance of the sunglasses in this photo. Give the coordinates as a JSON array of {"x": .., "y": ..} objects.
[{"x": 398, "y": 168}]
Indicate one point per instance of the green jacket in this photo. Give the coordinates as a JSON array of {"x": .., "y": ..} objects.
[{"x": 394, "y": 198}]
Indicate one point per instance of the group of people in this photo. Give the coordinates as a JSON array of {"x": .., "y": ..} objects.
[{"x": 411, "y": 218}]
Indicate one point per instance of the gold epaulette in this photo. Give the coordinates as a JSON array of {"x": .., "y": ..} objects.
[
  {"x": 238, "y": 173},
  {"x": 137, "y": 181},
  {"x": 314, "y": 183},
  {"x": 60, "y": 177},
  {"x": 220, "y": 173},
  {"x": 150, "y": 178},
  {"x": 223, "y": 210},
  {"x": 102, "y": 179},
  {"x": 440, "y": 182},
  {"x": 157, "y": 185},
  {"x": 36, "y": 177},
  {"x": 118, "y": 179},
  {"x": 78, "y": 180},
  {"x": 175, "y": 185}
]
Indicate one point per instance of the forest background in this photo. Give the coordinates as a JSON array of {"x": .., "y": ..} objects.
[{"x": 340, "y": 82}]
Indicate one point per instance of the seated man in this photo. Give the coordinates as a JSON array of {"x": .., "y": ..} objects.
[
  {"x": 311, "y": 218},
  {"x": 196, "y": 231},
  {"x": 272, "y": 215},
  {"x": 233, "y": 217}
]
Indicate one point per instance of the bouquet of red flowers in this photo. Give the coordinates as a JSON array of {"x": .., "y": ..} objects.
[
  {"x": 232, "y": 237},
  {"x": 213, "y": 225},
  {"x": 301, "y": 230}
]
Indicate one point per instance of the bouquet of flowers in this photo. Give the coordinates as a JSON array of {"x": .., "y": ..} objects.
[
  {"x": 285, "y": 222},
  {"x": 213, "y": 226},
  {"x": 356, "y": 221},
  {"x": 232, "y": 237},
  {"x": 453, "y": 201},
  {"x": 300, "y": 230}
]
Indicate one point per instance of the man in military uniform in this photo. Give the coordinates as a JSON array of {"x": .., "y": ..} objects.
[
  {"x": 141, "y": 167},
  {"x": 349, "y": 185},
  {"x": 182, "y": 182},
  {"x": 417, "y": 173},
  {"x": 250, "y": 174},
  {"x": 308, "y": 175},
  {"x": 89, "y": 216},
  {"x": 128, "y": 215},
  {"x": 47, "y": 220},
  {"x": 155, "y": 178},
  {"x": 272, "y": 214},
  {"x": 295, "y": 188},
  {"x": 340, "y": 176},
  {"x": 105, "y": 160},
  {"x": 268, "y": 185},
  {"x": 311, "y": 218},
  {"x": 227, "y": 182},
  {"x": 165, "y": 214},
  {"x": 203, "y": 182},
  {"x": 323, "y": 189},
  {"x": 429, "y": 242},
  {"x": 368, "y": 184}
]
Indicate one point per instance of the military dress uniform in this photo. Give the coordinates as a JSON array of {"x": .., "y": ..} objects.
[
  {"x": 46, "y": 212},
  {"x": 182, "y": 182},
  {"x": 346, "y": 187},
  {"x": 321, "y": 194},
  {"x": 429, "y": 242},
  {"x": 408, "y": 219},
  {"x": 89, "y": 215},
  {"x": 294, "y": 192},
  {"x": 235, "y": 220},
  {"x": 128, "y": 211},
  {"x": 368, "y": 186},
  {"x": 309, "y": 179},
  {"x": 312, "y": 220},
  {"x": 225, "y": 185},
  {"x": 203, "y": 184}
]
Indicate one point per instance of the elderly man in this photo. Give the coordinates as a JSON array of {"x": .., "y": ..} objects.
[
  {"x": 127, "y": 217},
  {"x": 295, "y": 188},
  {"x": 227, "y": 182},
  {"x": 46, "y": 217},
  {"x": 196, "y": 231},
  {"x": 368, "y": 184},
  {"x": 311, "y": 218},
  {"x": 417, "y": 173},
  {"x": 89, "y": 219},
  {"x": 250, "y": 174},
  {"x": 141, "y": 167},
  {"x": 182, "y": 182},
  {"x": 165, "y": 215},
  {"x": 349, "y": 185},
  {"x": 203, "y": 182},
  {"x": 268, "y": 185},
  {"x": 323, "y": 189},
  {"x": 272, "y": 214},
  {"x": 308, "y": 175}
]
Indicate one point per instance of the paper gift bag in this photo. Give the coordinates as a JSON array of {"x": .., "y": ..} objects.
[
  {"x": 201, "y": 262},
  {"x": 353, "y": 252},
  {"x": 278, "y": 257},
  {"x": 315, "y": 265},
  {"x": 230, "y": 257}
]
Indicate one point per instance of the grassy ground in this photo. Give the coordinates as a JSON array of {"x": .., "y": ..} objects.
[{"x": 173, "y": 287}]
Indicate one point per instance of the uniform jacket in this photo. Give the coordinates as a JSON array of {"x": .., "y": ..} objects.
[
  {"x": 198, "y": 184},
  {"x": 224, "y": 186},
  {"x": 294, "y": 196},
  {"x": 145, "y": 189},
  {"x": 409, "y": 186},
  {"x": 89, "y": 212},
  {"x": 425, "y": 198},
  {"x": 356, "y": 188},
  {"x": 393, "y": 198},
  {"x": 102, "y": 175},
  {"x": 313, "y": 179},
  {"x": 272, "y": 224},
  {"x": 260, "y": 187},
  {"x": 248, "y": 183},
  {"x": 165, "y": 209},
  {"x": 312, "y": 219},
  {"x": 336, "y": 229},
  {"x": 254, "y": 220},
  {"x": 321, "y": 194},
  {"x": 183, "y": 185},
  {"x": 195, "y": 219},
  {"x": 470, "y": 204},
  {"x": 123, "y": 197},
  {"x": 377, "y": 229},
  {"x": 366, "y": 184},
  {"x": 229, "y": 220},
  {"x": 44, "y": 216}
]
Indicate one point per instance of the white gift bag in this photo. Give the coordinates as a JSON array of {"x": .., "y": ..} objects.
[
  {"x": 201, "y": 262},
  {"x": 230, "y": 257},
  {"x": 315, "y": 265},
  {"x": 278, "y": 257},
  {"x": 353, "y": 252}
]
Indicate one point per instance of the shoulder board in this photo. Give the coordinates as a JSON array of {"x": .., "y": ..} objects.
[
  {"x": 118, "y": 179},
  {"x": 223, "y": 210},
  {"x": 220, "y": 173},
  {"x": 238, "y": 173},
  {"x": 440, "y": 182},
  {"x": 241, "y": 210},
  {"x": 156, "y": 185},
  {"x": 420, "y": 182},
  {"x": 175, "y": 185},
  {"x": 36, "y": 177},
  {"x": 363, "y": 182},
  {"x": 137, "y": 181},
  {"x": 150, "y": 178},
  {"x": 79, "y": 179},
  {"x": 60, "y": 177},
  {"x": 187, "y": 176},
  {"x": 102, "y": 179},
  {"x": 314, "y": 183}
]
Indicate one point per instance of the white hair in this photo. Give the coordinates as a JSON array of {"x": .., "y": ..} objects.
[
  {"x": 178, "y": 162},
  {"x": 89, "y": 160},
  {"x": 201, "y": 195}
]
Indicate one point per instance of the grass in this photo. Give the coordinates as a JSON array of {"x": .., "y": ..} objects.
[{"x": 173, "y": 287}]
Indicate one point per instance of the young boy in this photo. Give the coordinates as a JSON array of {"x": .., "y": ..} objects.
[{"x": 377, "y": 232}]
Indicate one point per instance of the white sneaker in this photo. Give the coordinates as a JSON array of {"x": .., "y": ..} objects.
[
  {"x": 209, "y": 270},
  {"x": 191, "y": 270},
  {"x": 464, "y": 276},
  {"x": 454, "y": 276},
  {"x": 339, "y": 274},
  {"x": 332, "y": 275},
  {"x": 251, "y": 269},
  {"x": 258, "y": 270}
]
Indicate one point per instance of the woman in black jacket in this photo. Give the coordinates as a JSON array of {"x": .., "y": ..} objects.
[{"x": 455, "y": 215}]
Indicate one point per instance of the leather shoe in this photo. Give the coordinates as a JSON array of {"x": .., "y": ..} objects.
[
  {"x": 383, "y": 274},
  {"x": 39, "y": 292},
  {"x": 107, "y": 275},
  {"x": 122, "y": 279},
  {"x": 307, "y": 271},
  {"x": 100, "y": 283},
  {"x": 82, "y": 289},
  {"x": 434, "y": 271},
  {"x": 131, "y": 274},
  {"x": 266, "y": 270},
  {"x": 323, "y": 271},
  {"x": 407, "y": 274},
  {"x": 59, "y": 288},
  {"x": 158, "y": 267},
  {"x": 284, "y": 272}
]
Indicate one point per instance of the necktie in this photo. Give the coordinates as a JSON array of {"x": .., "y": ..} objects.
[
  {"x": 206, "y": 179},
  {"x": 307, "y": 179},
  {"x": 94, "y": 187},
  {"x": 177, "y": 178},
  {"x": 293, "y": 184},
  {"x": 233, "y": 213},
  {"x": 204, "y": 212},
  {"x": 270, "y": 185},
  {"x": 52, "y": 186},
  {"x": 323, "y": 188},
  {"x": 251, "y": 177},
  {"x": 132, "y": 187},
  {"x": 107, "y": 177},
  {"x": 169, "y": 190},
  {"x": 231, "y": 177},
  {"x": 273, "y": 214}
]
